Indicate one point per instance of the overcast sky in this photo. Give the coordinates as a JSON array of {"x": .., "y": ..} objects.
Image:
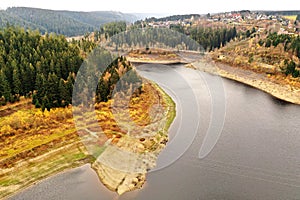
[{"x": 156, "y": 6}]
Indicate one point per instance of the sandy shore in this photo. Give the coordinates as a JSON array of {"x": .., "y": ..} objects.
[{"x": 285, "y": 92}]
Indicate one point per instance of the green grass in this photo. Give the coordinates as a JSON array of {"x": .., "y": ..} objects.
[
  {"x": 32, "y": 143},
  {"x": 8, "y": 182},
  {"x": 32, "y": 171},
  {"x": 97, "y": 151},
  {"x": 171, "y": 113}
]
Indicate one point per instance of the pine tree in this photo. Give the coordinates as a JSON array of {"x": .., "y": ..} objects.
[
  {"x": 4, "y": 87},
  {"x": 69, "y": 87},
  {"x": 45, "y": 104},
  {"x": 17, "y": 82},
  {"x": 53, "y": 94},
  {"x": 40, "y": 87},
  {"x": 64, "y": 93}
]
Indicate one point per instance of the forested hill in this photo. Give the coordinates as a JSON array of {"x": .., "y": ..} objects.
[
  {"x": 173, "y": 18},
  {"x": 69, "y": 23}
]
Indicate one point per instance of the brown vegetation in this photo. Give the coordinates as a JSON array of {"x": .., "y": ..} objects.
[{"x": 47, "y": 142}]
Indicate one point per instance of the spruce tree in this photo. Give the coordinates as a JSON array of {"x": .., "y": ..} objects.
[
  {"x": 4, "y": 87},
  {"x": 17, "y": 82}
]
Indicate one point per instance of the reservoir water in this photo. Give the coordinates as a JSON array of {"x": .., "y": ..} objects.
[{"x": 228, "y": 141}]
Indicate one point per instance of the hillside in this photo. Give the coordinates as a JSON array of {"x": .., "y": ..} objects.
[
  {"x": 267, "y": 61},
  {"x": 11, "y": 19},
  {"x": 68, "y": 23},
  {"x": 98, "y": 18}
]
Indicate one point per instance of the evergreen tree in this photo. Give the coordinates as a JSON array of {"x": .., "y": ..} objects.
[
  {"x": 4, "y": 87},
  {"x": 45, "y": 104},
  {"x": 17, "y": 82},
  {"x": 31, "y": 64},
  {"x": 40, "y": 89},
  {"x": 53, "y": 93},
  {"x": 64, "y": 93}
]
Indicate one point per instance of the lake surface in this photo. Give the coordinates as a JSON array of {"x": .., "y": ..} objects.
[{"x": 228, "y": 141}]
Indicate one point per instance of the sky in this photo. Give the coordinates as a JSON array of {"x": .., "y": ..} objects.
[{"x": 156, "y": 6}]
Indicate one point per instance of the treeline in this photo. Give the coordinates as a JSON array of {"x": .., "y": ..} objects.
[
  {"x": 40, "y": 66},
  {"x": 172, "y": 37},
  {"x": 210, "y": 38},
  {"x": 110, "y": 29},
  {"x": 172, "y": 18},
  {"x": 152, "y": 38}
]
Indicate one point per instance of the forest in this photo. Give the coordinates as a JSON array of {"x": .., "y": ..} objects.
[
  {"x": 210, "y": 38},
  {"x": 38, "y": 66},
  {"x": 172, "y": 18},
  {"x": 45, "y": 68},
  {"x": 68, "y": 23}
]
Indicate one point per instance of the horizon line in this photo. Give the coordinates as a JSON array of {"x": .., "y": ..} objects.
[{"x": 155, "y": 13}]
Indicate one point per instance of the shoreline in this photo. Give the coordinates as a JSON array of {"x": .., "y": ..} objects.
[
  {"x": 124, "y": 167},
  {"x": 163, "y": 62},
  {"x": 60, "y": 170},
  {"x": 87, "y": 160},
  {"x": 56, "y": 173},
  {"x": 261, "y": 81}
]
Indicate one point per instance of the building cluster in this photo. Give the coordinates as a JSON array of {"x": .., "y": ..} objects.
[
  {"x": 167, "y": 24},
  {"x": 242, "y": 20}
]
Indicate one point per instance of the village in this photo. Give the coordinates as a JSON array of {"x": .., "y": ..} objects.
[{"x": 242, "y": 20}]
